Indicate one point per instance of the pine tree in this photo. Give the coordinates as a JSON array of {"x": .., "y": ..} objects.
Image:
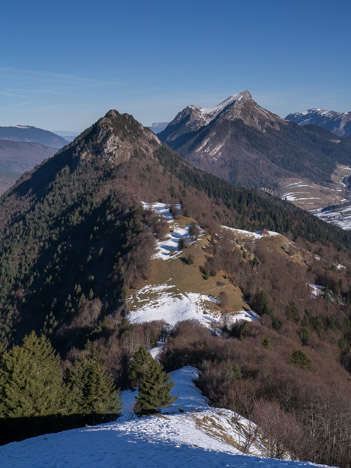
[
  {"x": 31, "y": 382},
  {"x": 154, "y": 390},
  {"x": 139, "y": 366},
  {"x": 92, "y": 389},
  {"x": 238, "y": 374},
  {"x": 266, "y": 342},
  {"x": 300, "y": 359}
]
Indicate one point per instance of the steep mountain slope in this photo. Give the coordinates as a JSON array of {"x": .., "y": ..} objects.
[
  {"x": 18, "y": 157},
  {"x": 28, "y": 134},
  {"x": 117, "y": 242},
  {"x": 247, "y": 145},
  {"x": 74, "y": 236},
  {"x": 338, "y": 123}
]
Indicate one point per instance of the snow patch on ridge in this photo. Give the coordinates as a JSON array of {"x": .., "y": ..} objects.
[
  {"x": 317, "y": 290},
  {"x": 165, "y": 302},
  {"x": 255, "y": 235},
  {"x": 168, "y": 247}
]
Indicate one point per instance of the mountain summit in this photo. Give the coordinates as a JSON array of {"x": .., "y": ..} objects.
[
  {"x": 247, "y": 145},
  {"x": 240, "y": 106}
]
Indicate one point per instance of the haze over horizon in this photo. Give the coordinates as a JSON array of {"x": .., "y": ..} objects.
[{"x": 63, "y": 69}]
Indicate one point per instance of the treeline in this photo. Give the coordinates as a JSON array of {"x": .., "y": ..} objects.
[
  {"x": 33, "y": 383},
  {"x": 250, "y": 209},
  {"x": 39, "y": 393}
]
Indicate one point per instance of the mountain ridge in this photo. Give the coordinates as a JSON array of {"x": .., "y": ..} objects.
[
  {"x": 30, "y": 134},
  {"x": 247, "y": 145},
  {"x": 85, "y": 262},
  {"x": 100, "y": 180},
  {"x": 338, "y": 123}
]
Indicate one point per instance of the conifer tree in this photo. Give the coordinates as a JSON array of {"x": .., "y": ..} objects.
[
  {"x": 92, "y": 389},
  {"x": 31, "y": 382},
  {"x": 154, "y": 390},
  {"x": 139, "y": 366}
]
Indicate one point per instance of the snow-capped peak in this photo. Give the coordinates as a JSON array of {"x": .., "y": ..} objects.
[
  {"x": 227, "y": 102},
  {"x": 209, "y": 114}
]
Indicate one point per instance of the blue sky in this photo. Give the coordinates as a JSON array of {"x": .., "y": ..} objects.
[{"x": 65, "y": 64}]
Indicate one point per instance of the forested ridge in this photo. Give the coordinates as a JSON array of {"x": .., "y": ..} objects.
[{"x": 74, "y": 239}]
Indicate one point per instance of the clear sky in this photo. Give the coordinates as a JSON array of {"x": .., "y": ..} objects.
[{"x": 63, "y": 64}]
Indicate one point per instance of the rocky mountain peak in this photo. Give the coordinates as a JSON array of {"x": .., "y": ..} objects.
[
  {"x": 240, "y": 106},
  {"x": 115, "y": 138},
  {"x": 243, "y": 107}
]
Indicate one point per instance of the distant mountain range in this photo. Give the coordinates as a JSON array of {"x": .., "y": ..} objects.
[
  {"x": 336, "y": 122},
  {"x": 32, "y": 135},
  {"x": 21, "y": 148},
  {"x": 247, "y": 145},
  {"x": 66, "y": 135},
  {"x": 17, "y": 157},
  {"x": 157, "y": 127}
]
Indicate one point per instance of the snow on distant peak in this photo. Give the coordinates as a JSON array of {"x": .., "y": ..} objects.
[{"x": 210, "y": 114}]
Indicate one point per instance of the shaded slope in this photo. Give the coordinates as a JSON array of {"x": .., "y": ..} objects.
[{"x": 19, "y": 157}]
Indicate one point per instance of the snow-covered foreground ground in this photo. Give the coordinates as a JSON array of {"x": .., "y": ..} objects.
[{"x": 200, "y": 437}]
